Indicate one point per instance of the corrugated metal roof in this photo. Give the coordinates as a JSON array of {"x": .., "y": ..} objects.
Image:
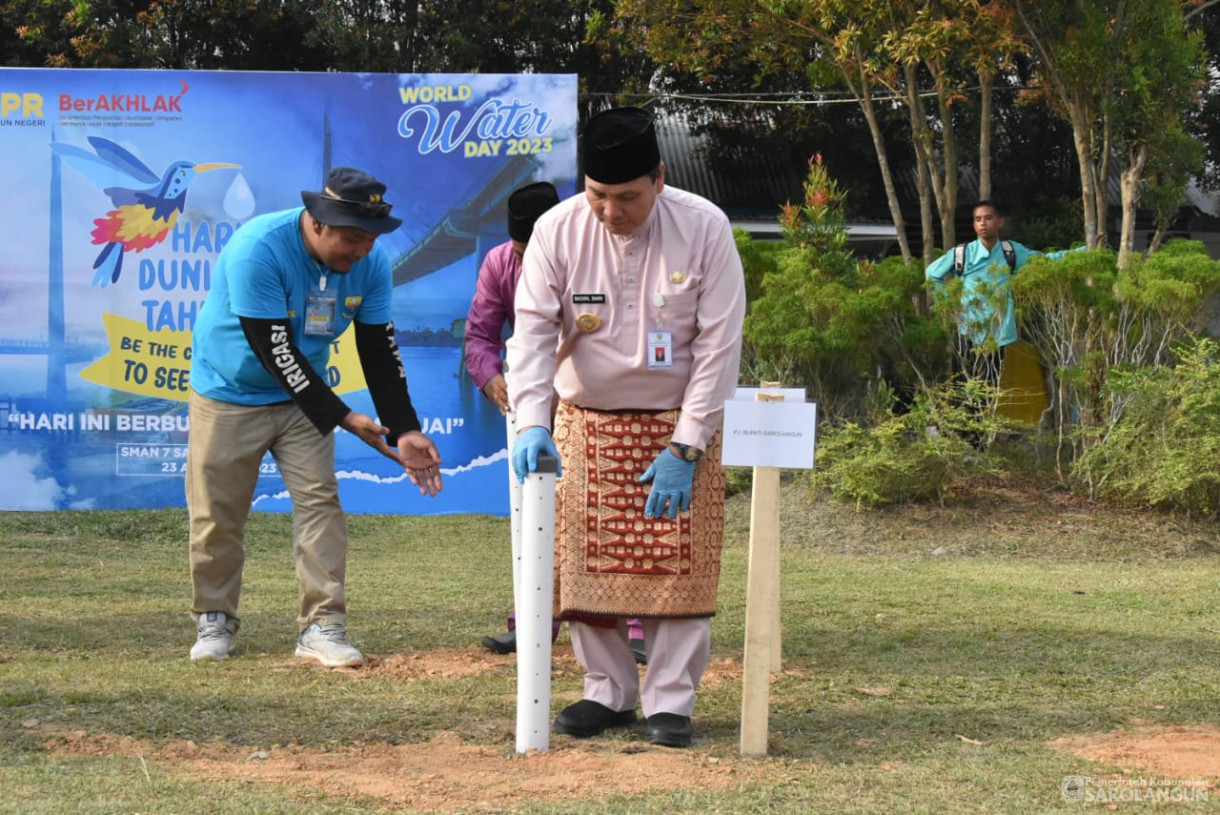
[
  {"x": 750, "y": 179},
  {"x": 750, "y": 173}
]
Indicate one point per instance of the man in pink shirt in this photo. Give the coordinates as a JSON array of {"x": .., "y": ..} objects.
[
  {"x": 640, "y": 288},
  {"x": 492, "y": 310},
  {"x": 492, "y": 307}
]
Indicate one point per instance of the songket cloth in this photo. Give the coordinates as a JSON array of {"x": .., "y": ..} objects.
[{"x": 612, "y": 560}]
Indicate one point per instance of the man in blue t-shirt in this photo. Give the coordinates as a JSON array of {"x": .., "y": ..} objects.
[{"x": 283, "y": 290}]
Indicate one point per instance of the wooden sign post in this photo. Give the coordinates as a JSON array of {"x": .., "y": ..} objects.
[
  {"x": 763, "y": 644},
  {"x": 768, "y": 436}
]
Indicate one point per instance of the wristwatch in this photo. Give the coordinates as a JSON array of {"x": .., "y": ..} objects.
[{"x": 685, "y": 451}]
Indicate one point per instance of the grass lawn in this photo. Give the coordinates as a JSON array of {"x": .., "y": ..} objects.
[{"x": 912, "y": 682}]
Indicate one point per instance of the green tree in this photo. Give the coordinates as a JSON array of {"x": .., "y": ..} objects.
[
  {"x": 846, "y": 330},
  {"x": 878, "y": 50},
  {"x": 395, "y": 36},
  {"x": 945, "y": 41},
  {"x": 237, "y": 34},
  {"x": 990, "y": 55},
  {"x": 826, "y": 39},
  {"x": 1123, "y": 72},
  {"x": 36, "y": 33},
  {"x": 1169, "y": 170}
]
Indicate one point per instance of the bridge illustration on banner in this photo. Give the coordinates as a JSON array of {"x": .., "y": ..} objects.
[{"x": 472, "y": 228}]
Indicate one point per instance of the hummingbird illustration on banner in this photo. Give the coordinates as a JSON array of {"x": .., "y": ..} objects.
[{"x": 146, "y": 206}]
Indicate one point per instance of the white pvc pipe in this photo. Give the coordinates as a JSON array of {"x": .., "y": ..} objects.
[
  {"x": 514, "y": 512},
  {"x": 534, "y": 603}
]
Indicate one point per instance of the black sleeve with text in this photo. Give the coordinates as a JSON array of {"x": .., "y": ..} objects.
[
  {"x": 386, "y": 378},
  {"x": 271, "y": 341}
]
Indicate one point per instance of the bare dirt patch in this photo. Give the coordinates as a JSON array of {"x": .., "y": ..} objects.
[
  {"x": 1186, "y": 753},
  {"x": 443, "y": 663},
  {"x": 443, "y": 775}
]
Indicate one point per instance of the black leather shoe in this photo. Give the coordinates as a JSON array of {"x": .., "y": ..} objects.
[
  {"x": 588, "y": 718},
  {"x": 506, "y": 643},
  {"x": 669, "y": 729},
  {"x": 637, "y": 651}
]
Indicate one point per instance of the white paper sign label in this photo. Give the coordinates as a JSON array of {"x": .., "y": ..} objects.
[{"x": 769, "y": 434}]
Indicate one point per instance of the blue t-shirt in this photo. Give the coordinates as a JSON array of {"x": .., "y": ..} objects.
[{"x": 266, "y": 273}]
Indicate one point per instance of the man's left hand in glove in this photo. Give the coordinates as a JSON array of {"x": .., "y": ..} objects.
[{"x": 671, "y": 479}]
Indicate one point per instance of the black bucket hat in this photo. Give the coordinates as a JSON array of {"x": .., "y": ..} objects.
[
  {"x": 525, "y": 205},
  {"x": 351, "y": 197}
]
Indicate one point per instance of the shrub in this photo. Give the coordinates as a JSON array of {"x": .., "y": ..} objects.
[
  {"x": 820, "y": 319},
  {"x": 1164, "y": 449},
  {"x": 916, "y": 455},
  {"x": 1090, "y": 319}
]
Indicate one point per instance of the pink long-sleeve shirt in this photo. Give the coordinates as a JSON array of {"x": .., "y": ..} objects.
[
  {"x": 577, "y": 272},
  {"x": 491, "y": 308}
]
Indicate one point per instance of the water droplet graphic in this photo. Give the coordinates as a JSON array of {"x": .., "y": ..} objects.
[{"x": 239, "y": 200}]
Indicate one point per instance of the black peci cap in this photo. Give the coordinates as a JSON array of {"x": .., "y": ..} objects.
[
  {"x": 620, "y": 145},
  {"x": 525, "y": 204}
]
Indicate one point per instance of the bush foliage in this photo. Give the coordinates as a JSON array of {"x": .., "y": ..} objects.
[
  {"x": 841, "y": 328},
  {"x": 1165, "y": 450},
  {"x": 911, "y": 455},
  {"x": 1134, "y": 403}
]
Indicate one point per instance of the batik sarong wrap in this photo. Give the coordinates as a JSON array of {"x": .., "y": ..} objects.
[{"x": 611, "y": 559}]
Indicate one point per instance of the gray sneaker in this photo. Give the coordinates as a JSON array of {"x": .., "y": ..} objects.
[
  {"x": 214, "y": 639},
  {"x": 328, "y": 644}
]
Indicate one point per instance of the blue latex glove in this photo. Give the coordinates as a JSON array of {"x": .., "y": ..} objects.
[
  {"x": 530, "y": 444},
  {"x": 671, "y": 482}
]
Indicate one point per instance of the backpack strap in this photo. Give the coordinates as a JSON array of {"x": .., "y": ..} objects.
[
  {"x": 1010, "y": 255},
  {"x": 959, "y": 257}
]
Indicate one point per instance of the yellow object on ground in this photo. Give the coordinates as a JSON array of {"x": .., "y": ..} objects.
[{"x": 1024, "y": 398}]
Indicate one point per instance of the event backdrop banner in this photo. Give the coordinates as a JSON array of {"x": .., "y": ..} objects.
[{"x": 124, "y": 186}]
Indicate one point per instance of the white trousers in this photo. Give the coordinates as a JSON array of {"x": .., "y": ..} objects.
[{"x": 677, "y": 650}]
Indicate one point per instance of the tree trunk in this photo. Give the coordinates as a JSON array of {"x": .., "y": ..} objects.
[
  {"x": 1131, "y": 196},
  {"x": 948, "y": 196},
  {"x": 1103, "y": 178},
  {"x": 986, "y": 79},
  {"x": 864, "y": 97},
  {"x": 923, "y": 184},
  {"x": 1082, "y": 138},
  {"x": 1158, "y": 237},
  {"x": 923, "y": 165}
]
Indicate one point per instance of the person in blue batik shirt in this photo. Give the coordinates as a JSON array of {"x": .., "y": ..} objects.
[{"x": 985, "y": 266}]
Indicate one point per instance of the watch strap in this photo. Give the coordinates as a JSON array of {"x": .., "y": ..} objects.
[{"x": 685, "y": 451}]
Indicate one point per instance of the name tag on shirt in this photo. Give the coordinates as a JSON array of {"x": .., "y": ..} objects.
[
  {"x": 320, "y": 314},
  {"x": 660, "y": 350},
  {"x": 589, "y": 298}
]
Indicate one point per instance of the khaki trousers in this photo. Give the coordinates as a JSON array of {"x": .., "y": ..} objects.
[{"x": 226, "y": 447}]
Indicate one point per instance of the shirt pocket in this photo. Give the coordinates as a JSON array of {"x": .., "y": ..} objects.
[{"x": 680, "y": 316}]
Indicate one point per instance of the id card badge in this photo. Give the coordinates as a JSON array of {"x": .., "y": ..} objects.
[
  {"x": 320, "y": 314},
  {"x": 660, "y": 350}
]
